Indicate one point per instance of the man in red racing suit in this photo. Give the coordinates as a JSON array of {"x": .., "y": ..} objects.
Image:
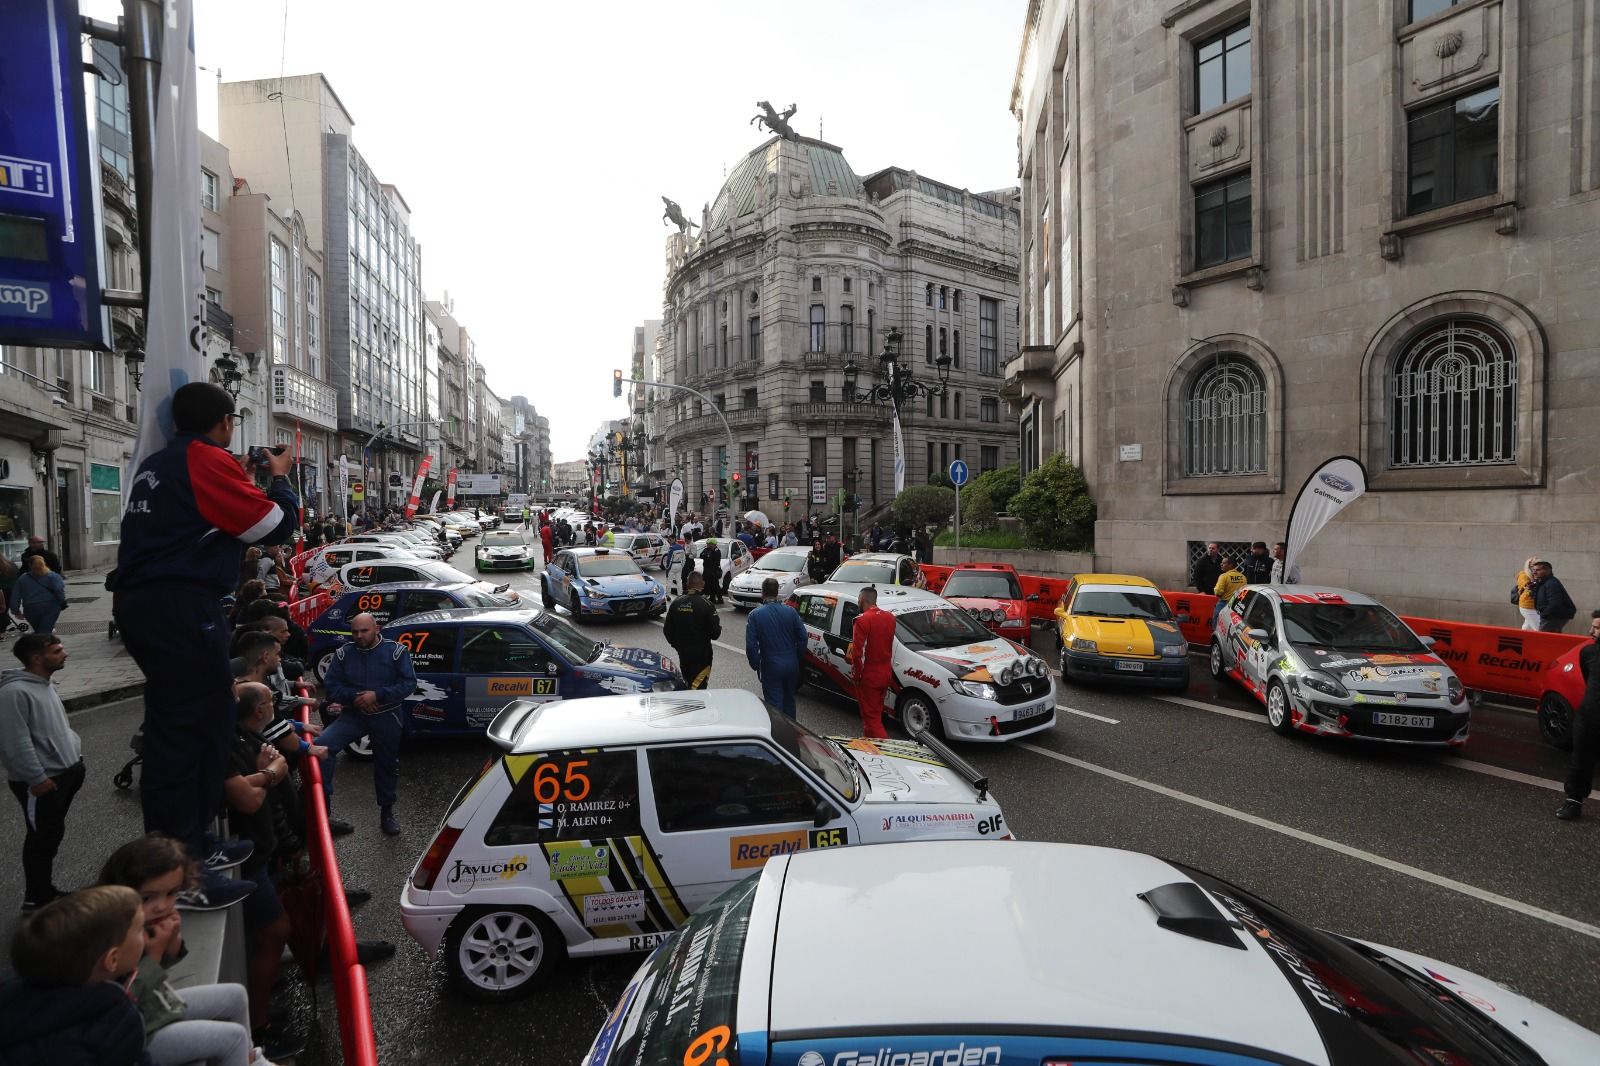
[{"x": 872, "y": 657}]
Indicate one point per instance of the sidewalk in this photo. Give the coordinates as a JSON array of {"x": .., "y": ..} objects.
[{"x": 99, "y": 669}]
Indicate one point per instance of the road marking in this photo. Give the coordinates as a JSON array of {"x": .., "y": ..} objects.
[
  {"x": 1484, "y": 768},
  {"x": 718, "y": 643},
  {"x": 1483, "y": 894},
  {"x": 1086, "y": 714}
]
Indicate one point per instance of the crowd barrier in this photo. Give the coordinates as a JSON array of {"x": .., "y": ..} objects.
[
  {"x": 356, "y": 1036},
  {"x": 1494, "y": 659},
  {"x": 304, "y": 611}
]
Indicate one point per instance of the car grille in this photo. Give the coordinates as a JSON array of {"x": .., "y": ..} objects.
[
  {"x": 1019, "y": 691},
  {"x": 636, "y": 605},
  {"x": 1007, "y": 728}
]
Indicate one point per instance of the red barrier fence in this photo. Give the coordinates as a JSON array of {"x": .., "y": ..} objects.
[
  {"x": 356, "y": 1036},
  {"x": 305, "y": 610},
  {"x": 1496, "y": 659}
]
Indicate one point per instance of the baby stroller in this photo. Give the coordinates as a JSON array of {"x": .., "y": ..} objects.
[{"x": 123, "y": 778}]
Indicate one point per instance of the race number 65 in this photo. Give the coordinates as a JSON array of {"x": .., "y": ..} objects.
[{"x": 550, "y": 785}]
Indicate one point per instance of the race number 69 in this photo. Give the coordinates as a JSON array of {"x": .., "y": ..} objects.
[{"x": 707, "y": 1044}]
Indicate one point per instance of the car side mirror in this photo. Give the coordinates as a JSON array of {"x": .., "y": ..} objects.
[
  {"x": 824, "y": 814},
  {"x": 1258, "y": 634},
  {"x": 1427, "y": 642}
]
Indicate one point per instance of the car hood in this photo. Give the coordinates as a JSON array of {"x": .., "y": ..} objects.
[
  {"x": 634, "y": 660},
  {"x": 753, "y": 577},
  {"x": 902, "y": 771},
  {"x": 977, "y": 662},
  {"x": 503, "y": 550},
  {"x": 1378, "y": 674},
  {"x": 620, "y": 585},
  {"x": 1123, "y": 636}
]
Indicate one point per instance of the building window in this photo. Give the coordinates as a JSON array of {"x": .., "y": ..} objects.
[
  {"x": 1453, "y": 151},
  {"x": 944, "y": 341},
  {"x": 1421, "y": 9},
  {"x": 105, "y": 504},
  {"x": 816, "y": 284},
  {"x": 944, "y": 405},
  {"x": 955, "y": 300},
  {"x": 278, "y": 259},
  {"x": 1225, "y": 419},
  {"x": 933, "y": 468},
  {"x": 988, "y": 335},
  {"x": 819, "y": 392},
  {"x": 213, "y": 296},
  {"x": 1222, "y": 67},
  {"x": 872, "y": 329},
  {"x": 773, "y": 492},
  {"x": 1222, "y": 221},
  {"x": 1453, "y": 397},
  {"x": 955, "y": 348},
  {"x": 819, "y": 329},
  {"x": 100, "y": 373},
  {"x": 988, "y": 458},
  {"x": 943, "y": 295},
  {"x": 753, "y": 345},
  {"x": 724, "y": 344},
  {"x": 314, "y": 322},
  {"x": 956, "y": 406},
  {"x": 846, "y": 284},
  {"x": 989, "y": 409},
  {"x": 210, "y": 249},
  {"x": 847, "y": 328},
  {"x": 208, "y": 190},
  {"x": 927, "y": 349},
  {"x": 928, "y": 295},
  {"x": 751, "y": 399},
  {"x": 872, "y": 290},
  {"x": 930, "y": 404}
]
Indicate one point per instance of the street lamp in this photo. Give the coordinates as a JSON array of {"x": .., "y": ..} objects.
[
  {"x": 232, "y": 376},
  {"x": 894, "y": 383}
]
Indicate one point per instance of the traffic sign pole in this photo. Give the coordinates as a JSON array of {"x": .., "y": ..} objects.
[{"x": 958, "y": 478}]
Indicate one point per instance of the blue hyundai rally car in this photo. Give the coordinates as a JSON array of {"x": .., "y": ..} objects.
[
  {"x": 386, "y": 603},
  {"x": 601, "y": 583}
]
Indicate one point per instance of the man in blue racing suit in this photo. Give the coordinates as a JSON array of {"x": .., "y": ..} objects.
[
  {"x": 774, "y": 641},
  {"x": 371, "y": 677}
]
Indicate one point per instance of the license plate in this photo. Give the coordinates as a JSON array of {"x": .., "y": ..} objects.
[
  {"x": 630, "y": 608},
  {"x": 1413, "y": 721},
  {"x": 1130, "y": 667},
  {"x": 1035, "y": 711}
]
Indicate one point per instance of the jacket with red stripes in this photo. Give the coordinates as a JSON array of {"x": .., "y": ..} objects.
[{"x": 191, "y": 510}]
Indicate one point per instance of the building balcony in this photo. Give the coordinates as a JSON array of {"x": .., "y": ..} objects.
[
  {"x": 298, "y": 395},
  {"x": 838, "y": 410},
  {"x": 219, "y": 321},
  {"x": 710, "y": 425}
]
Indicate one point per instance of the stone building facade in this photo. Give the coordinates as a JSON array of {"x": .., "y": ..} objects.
[
  {"x": 800, "y": 265},
  {"x": 1258, "y": 235}
]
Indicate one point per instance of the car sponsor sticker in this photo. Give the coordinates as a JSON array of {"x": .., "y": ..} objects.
[
  {"x": 747, "y": 852},
  {"x": 507, "y": 688},
  {"x": 1336, "y": 664},
  {"x": 1393, "y": 673},
  {"x": 940, "y": 822},
  {"x": 575, "y": 860},
  {"x": 908, "y": 750},
  {"x": 604, "y": 908},
  {"x": 467, "y": 874}
]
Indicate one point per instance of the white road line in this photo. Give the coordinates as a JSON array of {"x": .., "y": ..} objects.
[
  {"x": 1442, "y": 760},
  {"x": 718, "y": 643},
  {"x": 1086, "y": 714},
  {"x": 1551, "y": 917}
]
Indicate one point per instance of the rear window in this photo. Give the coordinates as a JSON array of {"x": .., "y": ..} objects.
[{"x": 682, "y": 1004}]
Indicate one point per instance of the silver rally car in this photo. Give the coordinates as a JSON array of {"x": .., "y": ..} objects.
[{"x": 1331, "y": 662}]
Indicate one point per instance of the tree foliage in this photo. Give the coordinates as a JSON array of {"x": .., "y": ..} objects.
[
  {"x": 1054, "y": 507},
  {"x": 986, "y": 497},
  {"x": 925, "y": 505}
]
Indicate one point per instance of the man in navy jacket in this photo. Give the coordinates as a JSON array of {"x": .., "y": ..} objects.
[
  {"x": 191, "y": 511},
  {"x": 371, "y": 677},
  {"x": 774, "y": 642}
]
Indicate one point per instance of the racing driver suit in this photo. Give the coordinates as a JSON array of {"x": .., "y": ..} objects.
[
  {"x": 385, "y": 670},
  {"x": 691, "y": 625},
  {"x": 872, "y": 658}
]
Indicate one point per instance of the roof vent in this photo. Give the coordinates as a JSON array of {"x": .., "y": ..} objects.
[{"x": 1184, "y": 908}]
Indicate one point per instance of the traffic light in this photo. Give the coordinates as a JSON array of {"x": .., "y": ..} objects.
[
  {"x": 616, "y": 383},
  {"x": 736, "y": 479}
]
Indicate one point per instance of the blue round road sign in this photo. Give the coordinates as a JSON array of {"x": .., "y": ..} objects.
[{"x": 958, "y": 473}]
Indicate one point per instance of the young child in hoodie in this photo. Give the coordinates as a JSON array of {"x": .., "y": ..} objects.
[
  {"x": 42, "y": 758},
  {"x": 64, "y": 1004}
]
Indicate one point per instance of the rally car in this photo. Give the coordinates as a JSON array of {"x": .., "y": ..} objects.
[
  {"x": 600, "y": 583},
  {"x": 878, "y": 957},
  {"x": 1331, "y": 662},
  {"x": 410, "y": 543},
  {"x": 504, "y": 549},
  {"x": 387, "y": 603},
  {"x": 1115, "y": 627},
  {"x": 647, "y": 549},
  {"x": 608, "y": 822},
  {"x": 1563, "y": 689},
  {"x": 993, "y": 593},
  {"x": 787, "y": 566},
  {"x": 736, "y": 559},
  {"x": 385, "y": 571},
  {"x": 879, "y": 568},
  {"x": 952, "y": 677}
]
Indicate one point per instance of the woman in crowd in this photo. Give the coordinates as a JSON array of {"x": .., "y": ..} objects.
[{"x": 41, "y": 595}]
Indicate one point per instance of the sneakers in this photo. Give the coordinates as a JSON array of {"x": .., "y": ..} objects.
[
  {"x": 1570, "y": 811},
  {"x": 226, "y": 854},
  {"x": 371, "y": 951},
  {"x": 387, "y": 822},
  {"x": 277, "y": 1042},
  {"x": 31, "y": 905},
  {"x": 339, "y": 827},
  {"x": 259, "y": 1058},
  {"x": 355, "y": 897},
  {"x": 215, "y": 893}
]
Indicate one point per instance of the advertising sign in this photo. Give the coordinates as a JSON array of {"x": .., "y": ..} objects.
[
  {"x": 819, "y": 489},
  {"x": 675, "y": 498},
  {"x": 478, "y": 484},
  {"x": 1331, "y": 488},
  {"x": 416, "y": 486},
  {"x": 358, "y": 490},
  {"x": 450, "y": 488},
  {"x": 50, "y": 278}
]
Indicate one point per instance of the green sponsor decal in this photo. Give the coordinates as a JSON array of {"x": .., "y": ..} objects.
[{"x": 575, "y": 860}]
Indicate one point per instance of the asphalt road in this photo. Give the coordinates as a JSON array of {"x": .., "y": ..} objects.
[{"x": 1455, "y": 856}]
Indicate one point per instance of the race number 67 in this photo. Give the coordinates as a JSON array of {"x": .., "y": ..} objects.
[{"x": 549, "y": 785}]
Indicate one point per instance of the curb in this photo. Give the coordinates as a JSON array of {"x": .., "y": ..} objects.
[{"x": 104, "y": 696}]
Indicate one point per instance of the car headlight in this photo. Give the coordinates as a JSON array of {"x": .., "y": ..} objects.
[
  {"x": 1325, "y": 684},
  {"x": 1085, "y": 644},
  {"x": 596, "y": 594},
  {"x": 1174, "y": 651},
  {"x": 1010, "y": 622},
  {"x": 663, "y": 686},
  {"x": 1007, "y": 674},
  {"x": 1457, "y": 692},
  {"x": 1038, "y": 667},
  {"x": 978, "y": 690}
]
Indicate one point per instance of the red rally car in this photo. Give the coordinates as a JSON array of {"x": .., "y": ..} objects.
[
  {"x": 1563, "y": 689},
  {"x": 991, "y": 593}
]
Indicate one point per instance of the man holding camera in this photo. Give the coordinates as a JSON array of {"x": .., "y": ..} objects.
[{"x": 192, "y": 508}]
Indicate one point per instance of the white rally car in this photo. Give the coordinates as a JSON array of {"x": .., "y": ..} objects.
[
  {"x": 735, "y": 561},
  {"x": 786, "y": 566},
  {"x": 608, "y": 821},
  {"x": 952, "y": 677},
  {"x": 647, "y": 549}
]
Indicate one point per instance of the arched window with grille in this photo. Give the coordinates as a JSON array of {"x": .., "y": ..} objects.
[
  {"x": 1452, "y": 397},
  {"x": 1225, "y": 419}
]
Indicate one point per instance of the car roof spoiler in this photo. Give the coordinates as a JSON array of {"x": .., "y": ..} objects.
[
  {"x": 951, "y": 759},
  {"x": 514, "y": 719}
]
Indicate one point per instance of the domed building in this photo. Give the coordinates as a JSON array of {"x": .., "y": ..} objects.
[{"x": 799, "y": 270}]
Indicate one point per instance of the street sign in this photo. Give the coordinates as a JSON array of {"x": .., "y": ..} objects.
[
  {"x": 959, "y": 473},
  {"x": 819, "y": 489},
  {"x": 358, "y": 491}
]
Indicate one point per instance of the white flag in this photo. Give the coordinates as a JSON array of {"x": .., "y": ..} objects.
[
  {"x": 1331, "y": 488},
  {"x": 675, "y": 499},
  {"x": 899, "y": 457},
  {"x": 173, "y": 323}
]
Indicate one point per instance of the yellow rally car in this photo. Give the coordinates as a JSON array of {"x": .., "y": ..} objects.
[{"x": 1115, "y": 627}]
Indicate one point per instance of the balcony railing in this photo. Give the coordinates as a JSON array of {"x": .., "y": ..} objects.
[
  {"x": 839, "y": 409},
  {"x": 219, "y": 321},
  {"x": 299, "y": 395}
]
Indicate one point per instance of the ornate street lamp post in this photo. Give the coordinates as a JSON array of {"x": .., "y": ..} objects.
[{"x": 895, "y": 383}]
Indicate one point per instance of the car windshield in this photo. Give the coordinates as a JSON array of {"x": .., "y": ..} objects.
[
  {"x": 992, "y": 584},
  {"x": 474, "y": 598},
  {"x": 865, "y": 573},
  {"x": 607, "y": 566},
  {"x": 1384, "y": 1010},
  {"x": 822, "y": 756},
  {"x": 782, "y": 564},
  {"x": 440, "y": 573},
  {"x": 571, "y": 643},
  {"x": 1349, "y": 627},
  {"x": 944, "y": 626},
  {"x": 1131, "y": 603},
  {"x": 498, "y": 539}
]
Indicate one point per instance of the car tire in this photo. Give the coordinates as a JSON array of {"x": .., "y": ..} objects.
[
  {"x": 544, "y": 592},
  {"x": 1219, "y": 670},
  {"x": 577, "y": 608},
  {"x": 495, "y": 954},
  {"x": 1280, "y": 719},
  {"x": 1555, "y": 721},
  {"x": 320, "y": 667},
  {"x": 917, "y": 710}
]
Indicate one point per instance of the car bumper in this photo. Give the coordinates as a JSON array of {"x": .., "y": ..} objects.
[
  {"x": 1356, "y": 721},
  {"x": 745, "y": 597},
  {"x": 424, "y": 923},
  {"x": 505, "y": 564},
  {"x": 623, "y": 607},
  {"x": 1105, "y": 668},
  {"x": 997, "y": 731},
  {"x": 969, "y": 718}
]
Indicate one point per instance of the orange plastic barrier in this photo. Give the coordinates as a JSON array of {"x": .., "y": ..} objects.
[
  {"x": 356, "y": 1035},
  {"x": 305, "y": 611}
]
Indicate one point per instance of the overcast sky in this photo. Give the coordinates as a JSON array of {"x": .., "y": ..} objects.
[{"x": 534, "y": 140}]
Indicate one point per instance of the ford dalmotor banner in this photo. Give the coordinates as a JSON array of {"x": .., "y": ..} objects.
[{"x": 1331, "y": 488}]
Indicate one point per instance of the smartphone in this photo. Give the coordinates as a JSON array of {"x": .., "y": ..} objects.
[{"x": 258, "y": 454}]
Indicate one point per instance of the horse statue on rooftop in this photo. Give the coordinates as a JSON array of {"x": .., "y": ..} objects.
[{"x": 776, "y": 122}]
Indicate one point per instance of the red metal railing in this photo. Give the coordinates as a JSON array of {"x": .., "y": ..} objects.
[{"x": 349, "y": 977}]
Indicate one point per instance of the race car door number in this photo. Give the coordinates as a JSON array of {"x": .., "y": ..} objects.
[
  {"x": 1415, "y": 721},
  {"x": 1123, "y": 664}
]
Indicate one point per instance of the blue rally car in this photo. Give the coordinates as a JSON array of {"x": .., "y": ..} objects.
[
  {"x": 470, "y": 663},
  {"x": 601, "y": 583},
  {"x": 386, "y": 603}
]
